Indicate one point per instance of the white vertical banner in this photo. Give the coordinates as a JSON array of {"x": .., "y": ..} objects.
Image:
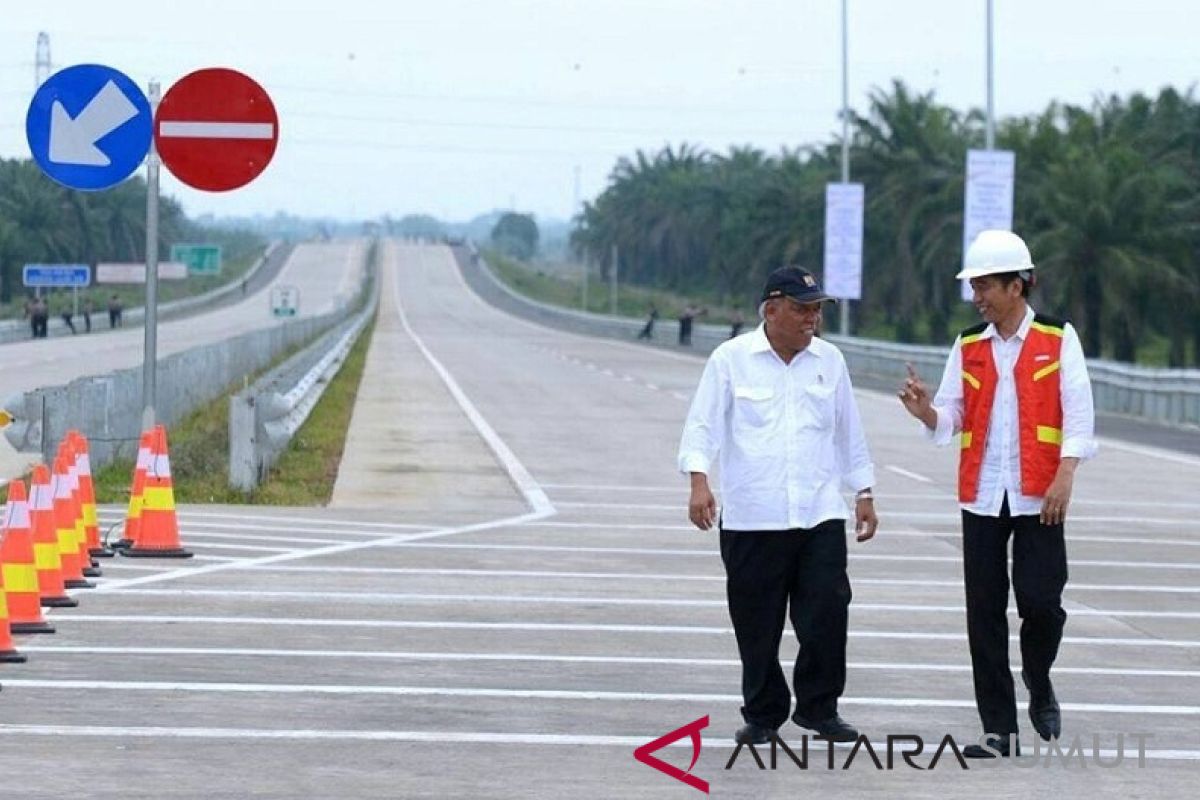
[
  {"x": 989, "y": 197},
  {"x": 843, "y": 240}
]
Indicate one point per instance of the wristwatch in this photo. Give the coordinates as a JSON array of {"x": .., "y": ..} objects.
[{"x": 865, "y": 494}]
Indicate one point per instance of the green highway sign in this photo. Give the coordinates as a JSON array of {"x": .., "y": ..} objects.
[{"x": 201, "y": 259}]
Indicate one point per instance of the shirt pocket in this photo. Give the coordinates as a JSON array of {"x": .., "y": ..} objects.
[
  {"x": 821, "y": 405},
  {"x": 752, "y": 404}
]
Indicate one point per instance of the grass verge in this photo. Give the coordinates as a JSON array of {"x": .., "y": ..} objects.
[{"x": 305, "y": 473}]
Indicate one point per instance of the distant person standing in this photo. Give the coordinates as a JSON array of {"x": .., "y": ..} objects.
[
  {"x": 685, "y": 325},
  {"x": 114, "y": 311},
  {"x": 39, "y": 317},
  {"x": 30, "y": 302},
  {"x": 88, "y": 307},
  {"x": 648, "y": 329},
  {"x": 68, "y": 316},
  {"x": 735, "y": 324}
]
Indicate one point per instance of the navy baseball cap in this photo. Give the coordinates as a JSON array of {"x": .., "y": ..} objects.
[{"x": 796, "y": 283}]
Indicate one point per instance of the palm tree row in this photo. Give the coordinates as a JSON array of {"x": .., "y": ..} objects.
[{"x": 1106, "y": 197}]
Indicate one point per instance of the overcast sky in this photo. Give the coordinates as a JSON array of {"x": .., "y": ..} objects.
[{"x": 455, "y": 108}]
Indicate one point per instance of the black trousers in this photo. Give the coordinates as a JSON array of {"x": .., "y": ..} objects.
[
  {"x": 1039, "y": 573},
  {"x": 768, "y": 572}
]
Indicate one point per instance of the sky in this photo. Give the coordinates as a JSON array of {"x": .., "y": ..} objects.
[{"x": 456, "y": 107}]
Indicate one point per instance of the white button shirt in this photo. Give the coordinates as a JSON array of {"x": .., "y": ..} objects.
[
  {"x": 1000, "y": 473},
  {"x": 788, "y": 435}
]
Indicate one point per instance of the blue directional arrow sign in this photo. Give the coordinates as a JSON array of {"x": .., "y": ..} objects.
[
  {"x": 56, "y": 275},
  {"x": 89, "y": 126}
]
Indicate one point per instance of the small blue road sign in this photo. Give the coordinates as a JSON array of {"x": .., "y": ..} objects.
[
  {"x": 89, "y": 126},
  {"x": 56, "y": 275}
]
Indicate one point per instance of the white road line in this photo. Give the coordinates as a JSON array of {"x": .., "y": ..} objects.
[
  {"x": 643, "y": 577},
  {"x": 193, "y": 535},
  {"x": 244, "y": 547},
  {"x": 187, "y": 514},
  {"x": 541, "y": 694},
  {"x": 1150, "y": 452},
  {"x": 657, "y": 551},
  {"x": 407, "y": 655},
  {"x": 190, "y": 525},
  {"x": 913, "y": 475},
  {"x": 885, "y": 534},
  {"x": 538, "y": 502},
  {"x": 436, "y": 737},
  {"x": 443, "y": 625},
  {"x": 490, "y": 599}
]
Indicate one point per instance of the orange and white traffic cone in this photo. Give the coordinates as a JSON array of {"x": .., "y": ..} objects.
[
  {"x": 45, "y": 542},
  {"x": 158, "y": 535},
  {"x": 87, "y": 496},
  {"x": 17, "y": 566},
  {"x": 69, "y": 545},
  {"x": 91, "y": 567},
  {"x": 133, "y": 515}
]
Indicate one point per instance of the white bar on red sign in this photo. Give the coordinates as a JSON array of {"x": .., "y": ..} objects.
[{"x": 217, "y": 130}]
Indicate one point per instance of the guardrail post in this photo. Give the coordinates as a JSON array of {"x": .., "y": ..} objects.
[{"x": 243, "y": 449}]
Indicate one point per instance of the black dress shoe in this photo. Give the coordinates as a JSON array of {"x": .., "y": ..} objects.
[
  {"x": 835, "y": 729},
  {"x": 1043, "y": 710},
  {"x": 753, "y": 733},
  {"x": 1000, "y": 744}
]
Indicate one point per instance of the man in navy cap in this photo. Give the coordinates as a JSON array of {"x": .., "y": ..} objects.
[{"x": 776, "y": 409}]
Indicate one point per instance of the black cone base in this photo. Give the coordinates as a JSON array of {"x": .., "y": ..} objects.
[
  {"x": 59, "y": 602},
  {"x": 75, "y": 583},
  {"x": 32, "y": 627},
  {"x": 11, "y": 657},
  {"x": 101, "y": 552},
  {"x": 136, "y": 552}
]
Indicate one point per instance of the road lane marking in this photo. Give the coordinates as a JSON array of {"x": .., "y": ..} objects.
[{"x": 915, "y": 476}]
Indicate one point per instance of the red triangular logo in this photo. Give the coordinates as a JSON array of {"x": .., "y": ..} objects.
[{"x": 692, "y": 729}]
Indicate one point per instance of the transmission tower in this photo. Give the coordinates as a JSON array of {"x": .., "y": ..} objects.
[{"x": 41, "y": 66}]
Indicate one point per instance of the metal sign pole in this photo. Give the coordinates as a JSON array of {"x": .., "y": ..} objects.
[
  {"x": 844, "y": 310},
  {"x": 612, "y": 297},
  {"x": 150, "y": 366}
]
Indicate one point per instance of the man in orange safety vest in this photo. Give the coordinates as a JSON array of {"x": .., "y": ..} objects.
[{"x": 1017, "y": 392}]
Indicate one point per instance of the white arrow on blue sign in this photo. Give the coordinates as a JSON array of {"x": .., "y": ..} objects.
[
  {"x": 56, "y": 275},
  {"x": 89, "y": 126}
]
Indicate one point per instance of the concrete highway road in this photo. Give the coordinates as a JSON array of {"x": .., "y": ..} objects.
[
  {"x": 505, "y": 600},
  {"x": 323, "y": 272}
]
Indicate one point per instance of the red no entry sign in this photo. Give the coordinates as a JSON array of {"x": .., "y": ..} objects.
[{"x": 216, "y": 129}]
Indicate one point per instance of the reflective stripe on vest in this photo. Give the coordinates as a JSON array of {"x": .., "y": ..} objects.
[{"x": 1037, "y": 377}]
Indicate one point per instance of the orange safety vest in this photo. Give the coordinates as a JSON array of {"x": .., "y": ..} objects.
[{"x": 1039, "y": 406}]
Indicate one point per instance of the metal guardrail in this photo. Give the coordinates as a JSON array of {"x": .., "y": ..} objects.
[
  {"x": 1167, "y": 396},
  {"x": 264, "y": 417},
  {"x": 13, "y": 330}
]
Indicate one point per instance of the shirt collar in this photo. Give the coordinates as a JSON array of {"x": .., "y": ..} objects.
[
  {"x": 759, "y": 343},
  {"x": 1022, "y": 329}
]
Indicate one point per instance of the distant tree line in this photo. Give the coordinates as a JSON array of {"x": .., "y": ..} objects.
[
  {"x": 43, "y": 222},
  {"x": 1106, "y": 196}
]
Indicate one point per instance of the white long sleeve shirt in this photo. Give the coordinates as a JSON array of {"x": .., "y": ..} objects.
[
  {"x": 788, "y": 435},
  {"x": 1000, "y": 473}
]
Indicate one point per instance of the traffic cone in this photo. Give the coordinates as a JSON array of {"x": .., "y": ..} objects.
[
  {"x": 87, "y": 494},
  {"x": 70, "y": 449},
  {"x": 45, "y": 542},
  {"x": 64, "y": 525},
  {"x": 17, "y": 566},
  {"x": 8, "y": 650},
  {"x": 158, "y": 534},
  {"x": 133, "y": 515}
]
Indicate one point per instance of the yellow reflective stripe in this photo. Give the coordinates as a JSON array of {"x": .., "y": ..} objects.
[
  {"x": 67, "y": 543},
  {"x": 4, "y": 607},
  {"x": 1050, "y": 330},
  {"x": 45, "y": 556},
  {"x": 1049, "y": 435},
  {"x": 89, "y": 515},
  {"x": 971, "y": 379},
  {"x": 1046, "y": 370},
  {"x": 974, "y": 337},
  {"x": 158, "y": 498},
  {"x": 966, "y": 439},
  {"x": 20, "y": 578}
]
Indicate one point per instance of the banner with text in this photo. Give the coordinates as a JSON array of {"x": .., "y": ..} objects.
[
  {"x": 988, "y": 203},
  {"x": 843, "y": 240},
  {"x": 135, "y": 272}
]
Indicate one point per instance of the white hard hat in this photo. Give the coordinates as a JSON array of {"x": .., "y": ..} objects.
[{"x": 994, "y": 252}]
